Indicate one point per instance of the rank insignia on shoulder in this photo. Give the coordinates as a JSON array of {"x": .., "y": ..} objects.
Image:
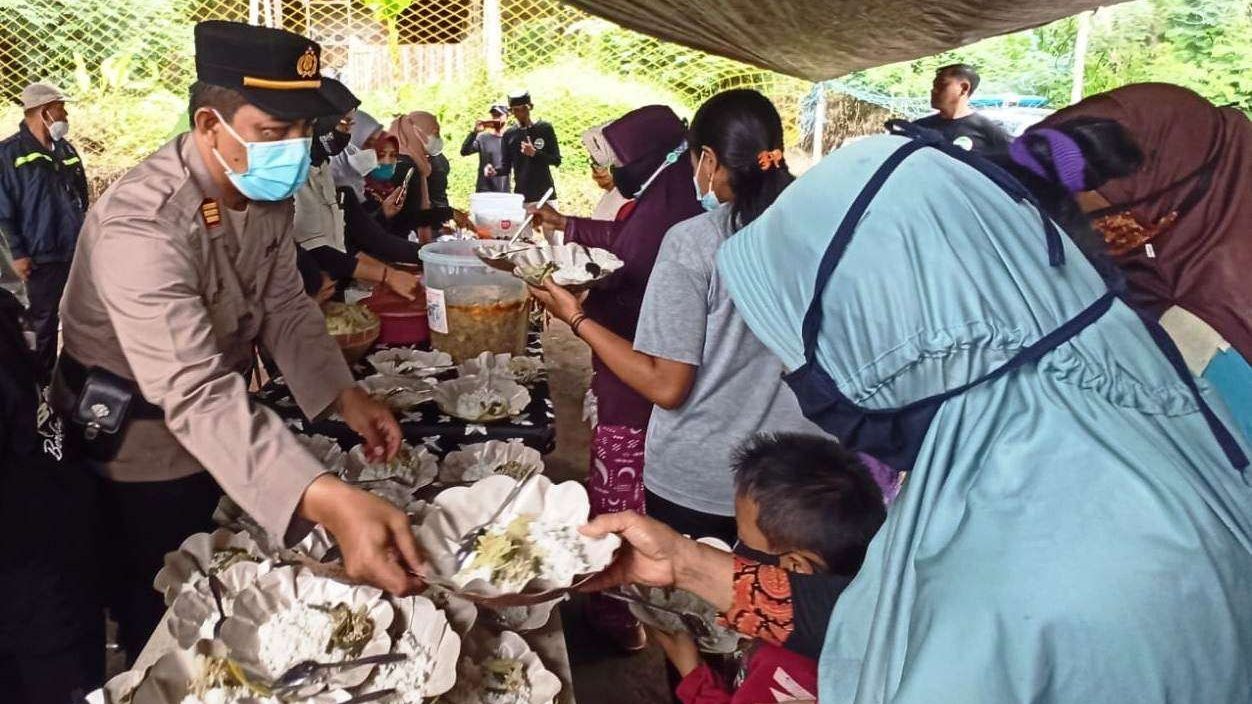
[{"x": 211, "y": 212}]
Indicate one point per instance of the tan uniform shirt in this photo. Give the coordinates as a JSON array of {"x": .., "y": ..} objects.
[
  {"x": 159, "y": 294},
  {"x": 319, "y": 220}
]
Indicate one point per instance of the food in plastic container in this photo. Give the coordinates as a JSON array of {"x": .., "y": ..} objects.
[{"x": 471, "y": 307}]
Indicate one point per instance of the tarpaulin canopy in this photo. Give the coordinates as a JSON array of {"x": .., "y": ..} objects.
[{"x": 821, "y": 39}]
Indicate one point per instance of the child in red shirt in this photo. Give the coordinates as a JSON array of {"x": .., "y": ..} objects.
[{"x": 804, "y": 506}]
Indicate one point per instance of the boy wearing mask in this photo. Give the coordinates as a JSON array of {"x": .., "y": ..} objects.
[{"x": 804, "y": 505}]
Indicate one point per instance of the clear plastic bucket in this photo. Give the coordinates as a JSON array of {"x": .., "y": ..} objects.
[{"x": 472, "y": 308}]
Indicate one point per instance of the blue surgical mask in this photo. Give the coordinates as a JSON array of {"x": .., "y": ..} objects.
[
  {"x": 708, "y": 199},
  {"x": 276, "y": 170},
  {"x": 383, "y": 172}
]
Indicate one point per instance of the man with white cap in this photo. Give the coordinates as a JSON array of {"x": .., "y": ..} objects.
[{"x": 43, "y": 199}]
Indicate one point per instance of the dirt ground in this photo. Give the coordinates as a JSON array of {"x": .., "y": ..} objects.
[{"x": 602, "y": 675}]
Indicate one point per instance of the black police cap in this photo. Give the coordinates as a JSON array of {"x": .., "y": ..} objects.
[
  {"x": 344, "y": 100},
  {"x": 278, "y": 72}
]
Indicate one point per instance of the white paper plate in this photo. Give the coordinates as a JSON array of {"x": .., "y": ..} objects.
[
  {"x": 544, "y": 686},
  {"x": 481, "y": 460},
  {"x": 572, "y": 260},
  {"x": 463, "y": 508},
  {"x": 400, "y": 394},
  {"x": 182, "y": 566},
  {"x": 419, "y": 625},
  {"x": 194, "y": 612},
  {"x": 325, "y": 450},
  {"x": 408, "y": 362},
  {"x": 172, "y": 676},
  {"x": 414, "y": 467},
  {"x": 448, "y": 393},
  {"x": 285, "y": 586},
  {"x": 521, "y": 619},
  {"x": 722, "y": 640},
  {"x": 461, "y": 613},
  {"x": 313, "y": 545},
  {"x": 118, "y": 690},
  {"x": 524, "y": 369}
]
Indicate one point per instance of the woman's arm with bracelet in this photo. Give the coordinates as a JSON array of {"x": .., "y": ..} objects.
[{"x": 664, "y": 382}]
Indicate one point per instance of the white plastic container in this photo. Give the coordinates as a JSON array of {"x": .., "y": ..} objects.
[
  {"x": 471, "y": 307},
  {"x": 497, "y": 215}
]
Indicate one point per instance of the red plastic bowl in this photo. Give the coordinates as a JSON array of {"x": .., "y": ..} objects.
[{"x": 403, "y": 322}]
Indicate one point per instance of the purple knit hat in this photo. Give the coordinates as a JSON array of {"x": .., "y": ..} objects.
[{"x": 1067, "y": 160}]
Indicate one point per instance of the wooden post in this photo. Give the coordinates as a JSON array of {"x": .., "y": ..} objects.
[
  {"x": 493, "y": 38},
  {"x": 819, "y": 123},
  {"x": 1080, "y": 56}
]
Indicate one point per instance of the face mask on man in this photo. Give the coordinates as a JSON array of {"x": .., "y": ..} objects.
[
  {"x": 708, "y": 199},
  {"x": 362, "y": 161},
  {"x": 276, "y": 170},
  {"x": 334, "y": 142},
  {"x": 57, "y": 130}
]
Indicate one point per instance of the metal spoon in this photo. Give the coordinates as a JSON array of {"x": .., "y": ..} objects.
[
  {"x": 470, "y": 538},
  {"x": 304, "y": 673},
  {"x": 542, "y": 202},
  {"x": 215, "y": 587}
]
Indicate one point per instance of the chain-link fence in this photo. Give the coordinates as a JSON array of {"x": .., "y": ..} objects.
[{"x": 129, "y": 63}]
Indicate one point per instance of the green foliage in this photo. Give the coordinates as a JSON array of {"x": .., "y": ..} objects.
[
  {"x": 387, "y": 12},
  {"x": 144, "y": 33},
  {"x": 1205, "y": 45},
  {"x": 570, "y": 95}
]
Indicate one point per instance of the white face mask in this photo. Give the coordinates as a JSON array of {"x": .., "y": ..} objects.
[
  {"x": 58, "y": 130},
  {"x": 362, "y": 161},
  {"x": 433, "y": 144}
]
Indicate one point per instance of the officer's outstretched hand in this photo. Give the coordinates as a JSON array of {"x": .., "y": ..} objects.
[
  {"x": 377, "y": 543},
  {"x": 371, "y": 420}
]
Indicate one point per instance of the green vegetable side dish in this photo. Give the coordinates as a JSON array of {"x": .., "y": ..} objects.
[
  {"x": 351, "y": 630},
  {"x": 509, "y": 554},
  {"x": 535, "y": 275},
  {"x": 512, "y": 468},
  {"x": 226, "y": 558},
  {"x": 504, "y": 676}
]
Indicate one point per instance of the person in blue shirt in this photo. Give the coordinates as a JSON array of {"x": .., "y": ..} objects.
[{"x": 43, "y": 200}]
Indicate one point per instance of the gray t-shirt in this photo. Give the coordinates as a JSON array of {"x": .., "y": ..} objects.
[{"x": 738, "y": 388}]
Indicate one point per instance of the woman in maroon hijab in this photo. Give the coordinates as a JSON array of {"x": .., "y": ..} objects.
[
  {"x": 649, "y": 164},
  {"x": 1180, "y": 228}
]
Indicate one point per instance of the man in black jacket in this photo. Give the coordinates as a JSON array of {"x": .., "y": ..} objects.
[
  {"x": 530, "y": 152},
  {"x": 43, "y": 200}
]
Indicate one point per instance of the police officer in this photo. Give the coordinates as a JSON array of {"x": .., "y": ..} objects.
[
  {"x": 183, "y": 265},
  {"x": 43, "y": 198},
  {"x": 530, "y": 152}
]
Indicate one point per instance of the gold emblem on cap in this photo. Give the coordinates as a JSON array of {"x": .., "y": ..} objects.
[{"x": 306, "y": 65}]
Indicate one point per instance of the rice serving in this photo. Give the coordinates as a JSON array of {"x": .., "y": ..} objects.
[
  {"x": 510, "y": 555},
  {"x": 304, "y": 632},
  {"x": 407, "y": 677}
]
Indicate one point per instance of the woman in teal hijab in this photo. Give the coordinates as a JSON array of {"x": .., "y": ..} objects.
[{"x": 1077, "y": 523}]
